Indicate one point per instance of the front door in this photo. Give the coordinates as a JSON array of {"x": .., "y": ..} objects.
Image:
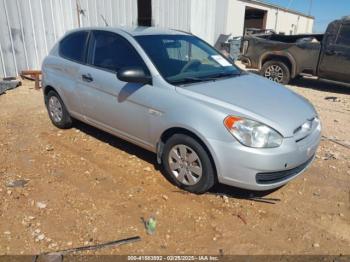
[
  {"x": 114, "y": 105},
  {"x": 335, "y": 57}
]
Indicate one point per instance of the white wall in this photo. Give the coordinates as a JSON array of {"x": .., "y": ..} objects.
[
  {"x": 115, "y": 12},
  {"x": 174, "y": 14},
  {"x": 290, "y": 23},
  {"x": 235, "y": 18},
  {"x": 277, "y": 19},
  {"x": 29, "y": 28},
  {"x": 208, "y": 19},
  {"x": 204, "y": 18}
]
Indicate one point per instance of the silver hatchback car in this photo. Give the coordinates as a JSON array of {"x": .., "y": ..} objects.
[{"x": 175, "y": 95}]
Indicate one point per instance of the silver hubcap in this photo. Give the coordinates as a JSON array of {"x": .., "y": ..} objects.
[
  {"x": 55, "y": 109},
  {"x": 185, "y": 165},
  {"x": 274, "y": 73}
]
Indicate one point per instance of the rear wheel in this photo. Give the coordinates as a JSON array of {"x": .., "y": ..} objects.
[
  {"x": 57, "y": 111},
  {"x": 276, "y": 71},
  {"x": 187, "y": 164}
]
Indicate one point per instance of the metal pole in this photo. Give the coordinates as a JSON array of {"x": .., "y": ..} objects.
[
  {"x": 78, "y": 12},
  {"x": 310, "y": 7}
]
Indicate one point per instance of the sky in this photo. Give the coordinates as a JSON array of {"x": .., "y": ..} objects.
[{"x": 324, "y": 11}]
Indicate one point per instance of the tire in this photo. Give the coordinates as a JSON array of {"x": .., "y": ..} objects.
[
  {"x": 276, "y": 71},
  {"x": 57, "y": 111},
  {"x": 191, "y": 172}
]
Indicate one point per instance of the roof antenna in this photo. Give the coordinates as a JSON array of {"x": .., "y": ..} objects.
[{"x": 104, "y": 20}]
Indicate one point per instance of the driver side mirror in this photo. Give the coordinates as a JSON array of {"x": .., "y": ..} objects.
[{"x": 134, "y": 75}]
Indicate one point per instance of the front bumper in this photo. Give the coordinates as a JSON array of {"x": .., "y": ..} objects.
[{"x": 265, "y": 168}]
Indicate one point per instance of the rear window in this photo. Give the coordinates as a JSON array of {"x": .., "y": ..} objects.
[
  {"x": 344, "y": 35},
  {"x": 73, "y": 46}
]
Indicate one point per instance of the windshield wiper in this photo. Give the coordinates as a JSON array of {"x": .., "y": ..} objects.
[
  {"x": 189, "y": 80},
  {"x": 222, "y": 75}
]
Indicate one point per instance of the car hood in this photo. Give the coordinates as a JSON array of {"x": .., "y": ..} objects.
[{"x": 256, "y": 98}]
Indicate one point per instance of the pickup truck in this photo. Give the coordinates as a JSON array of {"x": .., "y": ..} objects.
[{"x": 283, "y": 57}]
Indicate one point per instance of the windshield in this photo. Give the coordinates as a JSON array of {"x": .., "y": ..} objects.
[{"x": 185, "y": 58}]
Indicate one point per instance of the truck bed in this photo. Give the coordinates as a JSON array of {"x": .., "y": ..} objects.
[
  {"x": 303, "y": 49},
  {"x": 292, "y": 38}
]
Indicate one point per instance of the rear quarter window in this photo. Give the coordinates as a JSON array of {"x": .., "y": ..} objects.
[
  {"x": 73, "y": 46},
  {"x": 344, "y": 36}
]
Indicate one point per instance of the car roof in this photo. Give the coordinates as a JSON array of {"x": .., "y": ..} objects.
[{"x": 134, "y": 31}]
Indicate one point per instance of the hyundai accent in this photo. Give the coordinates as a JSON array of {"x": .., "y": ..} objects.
[{"x": 173, "y": 94}]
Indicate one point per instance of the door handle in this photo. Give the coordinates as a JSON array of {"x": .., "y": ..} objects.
[{"x": 87, "y": 78}]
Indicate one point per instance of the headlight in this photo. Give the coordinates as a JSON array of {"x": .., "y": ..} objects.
[{"x": 251, "y": 133}]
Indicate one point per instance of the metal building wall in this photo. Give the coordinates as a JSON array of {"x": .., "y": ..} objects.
[
  {"x": 283, "y": 21},
  {"x": 278, "y": 19},
  {"x": 209, "y": 19},
  {"x": 29, "y": 28},
  {"x": 174, "y": 14},
  {"x": 204, "y": 18},
  {"x": 114, "y": 12}
]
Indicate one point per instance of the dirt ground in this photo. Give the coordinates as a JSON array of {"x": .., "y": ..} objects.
[{"x": 84, "y": 187}]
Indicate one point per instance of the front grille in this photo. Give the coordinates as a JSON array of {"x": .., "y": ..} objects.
[{"x": 275, "y": 177}]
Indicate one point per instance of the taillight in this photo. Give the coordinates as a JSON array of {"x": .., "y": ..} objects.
[{"x": 245, "y": 47}]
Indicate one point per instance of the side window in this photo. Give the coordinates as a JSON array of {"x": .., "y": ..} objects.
[
  {"x": 344, "y": 36},
  {"x": 73, "y": 46},
  {"x": 112, "y": 52},
  {"x": 178, "y": 50}
]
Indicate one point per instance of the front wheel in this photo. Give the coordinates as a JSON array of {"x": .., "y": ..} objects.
[
  {"x": 187, "y": 164},
  {"x": 276, "y": 71}
]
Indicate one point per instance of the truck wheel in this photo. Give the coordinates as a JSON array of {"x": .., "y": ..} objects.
[
  {"x": 187, "y": 164},
  {"x": 276, "y": 71}
]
